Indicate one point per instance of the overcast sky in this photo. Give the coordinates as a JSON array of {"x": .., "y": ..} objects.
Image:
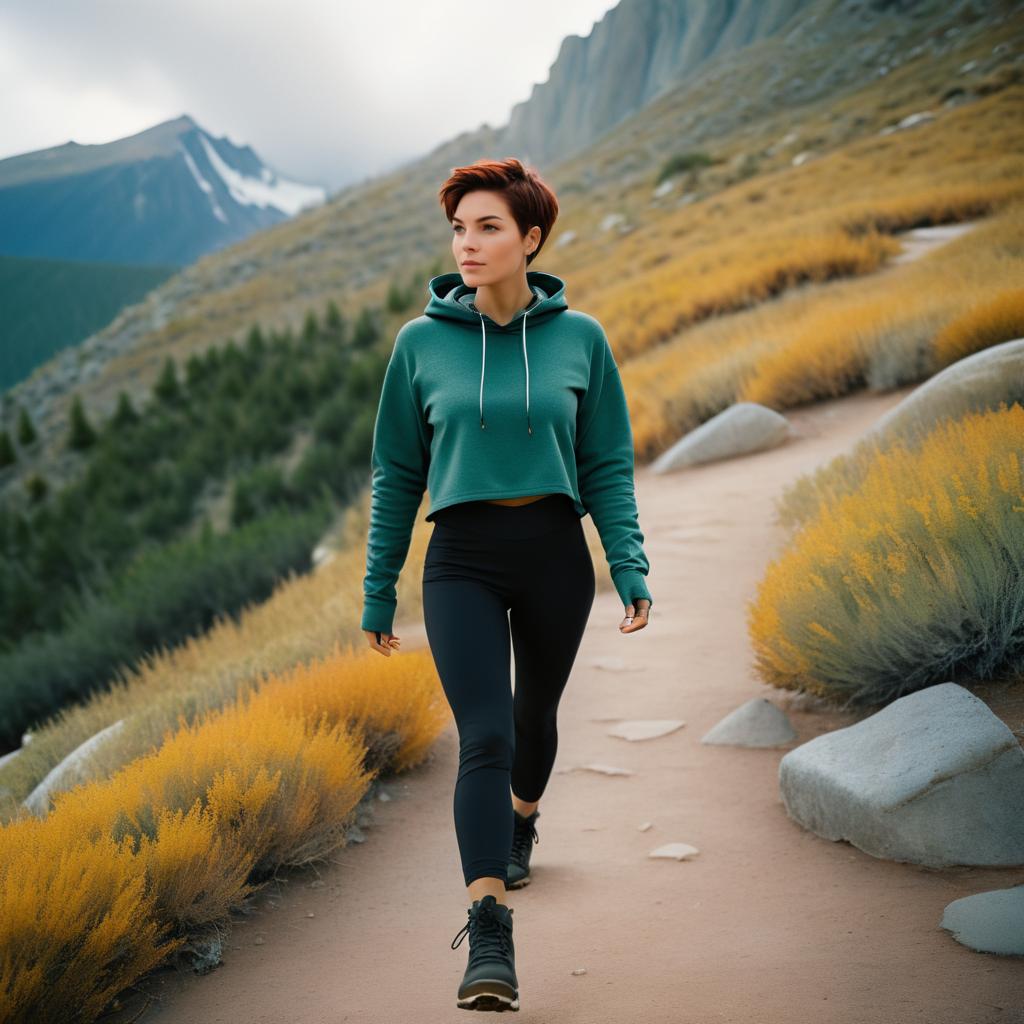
[{"x": 325, "y": 91}]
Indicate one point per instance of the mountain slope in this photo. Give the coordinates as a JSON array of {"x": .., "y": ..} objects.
[
  {"x": 636, "y": 52},
  {"x": 167, "y": 195},
  {"x": 841, "y": 71}
]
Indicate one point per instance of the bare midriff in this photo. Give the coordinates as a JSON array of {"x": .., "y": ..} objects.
[{"x": 515, "y": 501}]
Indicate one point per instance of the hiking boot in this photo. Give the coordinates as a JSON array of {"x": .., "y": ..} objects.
[
  {"x": 490, "y": 980},
  {"x": 524, "y": 835}
]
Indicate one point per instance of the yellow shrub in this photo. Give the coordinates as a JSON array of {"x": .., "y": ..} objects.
[
  {"x": 989, "y": 322},
  {"x": 76, "y": 925},
  {"x": 174, "y": 839},
  {"x": 912, "y": 578}
]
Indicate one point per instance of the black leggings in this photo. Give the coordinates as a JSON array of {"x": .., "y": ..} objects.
[{"x": 491, "y": 571}]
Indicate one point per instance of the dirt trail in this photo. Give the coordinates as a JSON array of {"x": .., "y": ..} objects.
[{"x": 768, "y": 923}]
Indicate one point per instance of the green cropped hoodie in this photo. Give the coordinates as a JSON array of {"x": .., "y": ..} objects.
[{"x": 468, "y": 420}]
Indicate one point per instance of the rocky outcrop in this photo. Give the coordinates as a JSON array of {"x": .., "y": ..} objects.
[
  {"x": 742, "y": 428},
  {"x": 976, "y": 382},
  {"x": 934, "y": 778}
]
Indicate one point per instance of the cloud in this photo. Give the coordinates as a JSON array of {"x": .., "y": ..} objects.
[{"x": 325, "y": 92}]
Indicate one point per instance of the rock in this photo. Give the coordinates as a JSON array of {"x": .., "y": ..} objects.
[
  {"x": 203, "y": 953},
  {"x": 989, "y": 922},
  {"x": 979, "y": 381},
  {"x": 604, "y": 769},
  {"x": 612, "y": 220},
  {"x": 645, "y": 728},
  {"x": 742, "y": 428},
  {"x": 910, "y": 121},
  {"x": 934, "y": 778},
  {"x": 71, "y": 771},
  {"x": 758, "y": 723},
  {"x": 675, "y": 851},
  {"x": 8, "y": 758},
  {"x": 322, "y": 555},
  {"x": 645, "y": 827},
  {"x": 355, "y": 834}
]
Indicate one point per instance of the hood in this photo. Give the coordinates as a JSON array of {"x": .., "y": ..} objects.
[{"x": 451, "y": 299}]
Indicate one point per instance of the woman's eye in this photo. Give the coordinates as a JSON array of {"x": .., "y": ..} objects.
[{"x": 495, "y": 226}]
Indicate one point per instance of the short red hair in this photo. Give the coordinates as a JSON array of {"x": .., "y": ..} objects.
[{"x": 529, "y": 198}]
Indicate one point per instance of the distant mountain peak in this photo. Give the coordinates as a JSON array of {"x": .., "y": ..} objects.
[{"x": 166, "y": 195}]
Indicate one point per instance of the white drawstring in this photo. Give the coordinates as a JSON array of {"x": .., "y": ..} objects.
[
  {"x": 483, "y": 357},
  {"x": 483, "y": 363},
  {"x": 526, "y": 362}
]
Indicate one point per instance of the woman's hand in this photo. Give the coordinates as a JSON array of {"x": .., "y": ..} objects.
[
  {"x": 637, "y": 616},
  {"x": 383, "y": 642}
]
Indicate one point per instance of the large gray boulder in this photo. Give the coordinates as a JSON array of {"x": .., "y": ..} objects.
[
  {"x": 976, "y": 382},
  {"x": 934, "y": 778},
  {"x": 72, "y": 771},
  {"x": 742, "y": 428},
  {"x": 989, "y": 922}
]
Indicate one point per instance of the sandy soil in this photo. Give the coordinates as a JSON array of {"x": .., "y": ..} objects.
[{"x": 769, "y": 923}]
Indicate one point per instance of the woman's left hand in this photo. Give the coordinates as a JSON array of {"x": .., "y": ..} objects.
[{"x": 637, "y": 616}]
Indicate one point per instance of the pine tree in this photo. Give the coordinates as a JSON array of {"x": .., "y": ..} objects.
[
  {"x": 7, "y": 454},
  {"x": 255, "y": 341},
  {"x": 167, "y": 388},
  {"x": 82, "y": 434},
  {"x": 36, "y": 487},
  {"x": 195, "y": 371},
  {"x": 26, "y": 432},
  {"x": 365, "y": 330},
  {"x": 310, "y": 327},
  {"x": 334, "y": 321},
  {"x": 397, "y": 299},
  {"x": 124, "y": 415}
]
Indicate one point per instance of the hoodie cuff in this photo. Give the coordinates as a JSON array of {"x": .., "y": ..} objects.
[
  {"x": 631, "y": 585},
  {"x": 378, "y": 614}
]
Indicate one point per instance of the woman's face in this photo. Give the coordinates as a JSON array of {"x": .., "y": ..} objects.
[{"x": 486, "y": 242}]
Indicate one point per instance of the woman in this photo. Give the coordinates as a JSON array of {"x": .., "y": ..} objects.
[{"x": 514, "y": 446}]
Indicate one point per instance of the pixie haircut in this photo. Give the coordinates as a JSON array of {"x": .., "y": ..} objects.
[{"x": 529, "y": 198}]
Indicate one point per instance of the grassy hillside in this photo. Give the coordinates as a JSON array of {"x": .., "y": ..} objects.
[
  {"x": 752, "y": 265},
  {"x": 844, "y": 74},
  {"x": 737, "y": 240}
]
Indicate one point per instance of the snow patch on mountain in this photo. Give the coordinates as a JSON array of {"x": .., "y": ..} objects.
[
  {"x": 204, "y": 185},
  {"x": 267, "y": 190}
]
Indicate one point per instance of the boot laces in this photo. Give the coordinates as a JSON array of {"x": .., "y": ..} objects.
[
  {"x": 523, "y": 834},
  {"x": 488, "y": 935}
]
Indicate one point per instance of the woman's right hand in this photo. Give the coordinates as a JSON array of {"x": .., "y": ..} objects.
[{"x": 385, "y": 643}]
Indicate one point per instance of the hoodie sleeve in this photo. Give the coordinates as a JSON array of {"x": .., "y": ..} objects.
[
  {"x": 399, "y": 462},
  {"x": 604, "y": 464}
]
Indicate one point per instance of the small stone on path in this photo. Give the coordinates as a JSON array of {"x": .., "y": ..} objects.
[
  {"x": 646, "y": 728},
  {"x": 675, "y": 851}
]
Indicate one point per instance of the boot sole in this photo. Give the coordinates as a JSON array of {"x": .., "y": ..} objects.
[
  {"x": 489, "y": 995},
  {"x": 519, "y": 884}
]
